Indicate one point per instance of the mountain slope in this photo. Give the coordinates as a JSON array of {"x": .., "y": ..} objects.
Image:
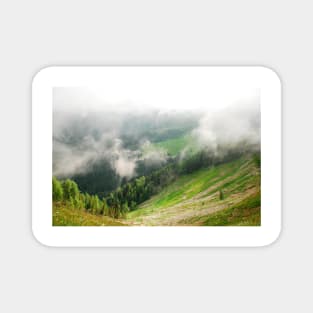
[
  {"x": 224, "y": 195},
  {"x": 227, "y": 194}
]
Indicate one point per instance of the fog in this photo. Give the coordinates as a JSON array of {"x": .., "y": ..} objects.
[
  {"x": 80, "y": 141},
  {"x": 237, "y": 125},
  {"x": 88, "y": 128}
]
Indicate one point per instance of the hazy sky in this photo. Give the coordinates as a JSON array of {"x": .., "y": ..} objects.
[{"x": 142, "y": 94}]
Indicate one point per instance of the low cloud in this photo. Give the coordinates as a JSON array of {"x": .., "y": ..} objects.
[
  {"x": 82, "y": 139},
  {"x": 238, "y": 125},
  {"x": 70, "y": 159}
]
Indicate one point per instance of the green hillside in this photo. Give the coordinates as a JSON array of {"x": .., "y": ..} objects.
[
  {"x": 175, "y": 145},
  {"x": 227, "y": 194},
  {"x": 195, "y": 199}
]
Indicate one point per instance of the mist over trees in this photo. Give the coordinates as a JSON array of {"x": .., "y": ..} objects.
[
  {"x": 132, "y": 193},
  {"x": 100, "y": 151},
  {"x": 107, "y": 160},
  {"x": 104, "y": 150}
]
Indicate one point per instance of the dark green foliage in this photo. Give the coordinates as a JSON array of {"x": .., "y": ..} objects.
[
  {"x": 195, "y": 162},
  {"x": 68, "y": 189},
  {"x": 221, "y": 195},
  {"x": 205, "y": 158},
  {"x": 128, "y": 196},
  {"x": 257, "y": 159},
  {"x": 69, "y": 194},
  {"x": 100, "y": 179},
  {"x": 95, "y": 205},
  {"x": 57, "y": 190},
  {"x": 104, "y": 207}
]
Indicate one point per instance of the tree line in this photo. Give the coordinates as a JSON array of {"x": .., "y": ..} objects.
[
  {"x": 118, "y": 202},
  {"x": 67, "y": 193},
  {"x": 130, "y": 194}
]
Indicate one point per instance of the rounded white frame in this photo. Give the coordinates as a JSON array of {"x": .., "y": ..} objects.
[{"x": 157, "y": 236}]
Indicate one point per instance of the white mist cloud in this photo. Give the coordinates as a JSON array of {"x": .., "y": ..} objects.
[
  {"x": 122, "y": 160},
  {"x": 227, "y": 128},
  {"x": 88, "y": 123},
  {"x": 68, "y": 161},
  {"x": 76, "y": 159}
]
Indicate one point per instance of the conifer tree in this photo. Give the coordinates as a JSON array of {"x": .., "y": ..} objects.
[{"x": 57, "y": 191}]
